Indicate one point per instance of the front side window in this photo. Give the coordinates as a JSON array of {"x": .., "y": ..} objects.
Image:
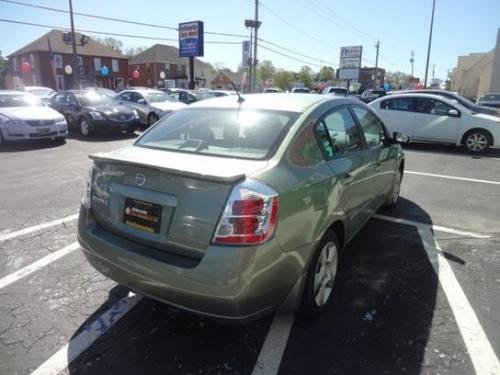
[
  {"x": 338, "y": 134},
  {"x": 59, "y": 98},
  {"x": 245, "y": 134},
  {"x": 432, "y": 107},
  {"x": 398, "y": 104},
  {"x": 125, "y": 96},
  {"x": 373, "y": 128}
]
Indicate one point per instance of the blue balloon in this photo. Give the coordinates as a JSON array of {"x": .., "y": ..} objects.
[{"x": 104, "y": 71}]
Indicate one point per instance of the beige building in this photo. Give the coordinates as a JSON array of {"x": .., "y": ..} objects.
[{"x": 477, "y": 73}]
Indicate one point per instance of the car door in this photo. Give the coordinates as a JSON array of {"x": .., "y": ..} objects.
[
  {"x": 59, "y": 103},
  {"x": 342, "y": 144},
  {"x": 397, "y": 114},
  {"x": 380, "y": 154},
  {"x": 436, "y": 121},
  {"x": 72, "y": 108}
]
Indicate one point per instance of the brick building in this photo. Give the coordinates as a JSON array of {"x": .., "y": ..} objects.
[
  {"x": 91, "y": 58},
  {"x": 225, "y": 80},
  {"x": 163, "y": 58}
]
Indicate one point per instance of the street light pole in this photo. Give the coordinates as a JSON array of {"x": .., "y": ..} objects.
[
  {"x": 254, "y": 73},
  {"x": 429, "y": 47},
  {"x": 76, "y": 67}
]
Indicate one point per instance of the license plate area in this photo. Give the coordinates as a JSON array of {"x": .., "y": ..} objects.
[
  {"x": 142, "y": 215},
  {"x": 42, "y": 130}
]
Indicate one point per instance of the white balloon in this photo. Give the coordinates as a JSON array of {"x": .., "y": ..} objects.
[
  {"x": 68, "y": 69},
  {"x": 162, "y": 75}
]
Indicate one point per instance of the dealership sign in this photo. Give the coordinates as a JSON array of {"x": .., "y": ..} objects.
[
  {"x": 350, "y": 62},
  {"x": 191, "y": 39}
]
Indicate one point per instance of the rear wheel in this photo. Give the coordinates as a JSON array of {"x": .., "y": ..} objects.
[
  {"x": 321, "y": 276},
  {"x": 85, "y": 128},
  {"x": 477, "y": 141},
  {"x": 152, "y": 118}
]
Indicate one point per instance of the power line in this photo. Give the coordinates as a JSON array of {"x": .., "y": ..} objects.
[
  {"x": 297, "y": 53},
  {"x": 295, "y": 27},
  {"x": 107, "y": 33},
  {"x": 288, "y": 56},
  {"x": 59, "y": 10}
]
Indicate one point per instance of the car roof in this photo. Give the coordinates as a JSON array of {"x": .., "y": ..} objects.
[
  {"x": 12, "y": 92},
  {"x": 277, "y": 101},
  {"x": 416, "y": 94}
]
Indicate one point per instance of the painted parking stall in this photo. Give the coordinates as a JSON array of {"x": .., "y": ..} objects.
[{"x": 417, "y": 291}]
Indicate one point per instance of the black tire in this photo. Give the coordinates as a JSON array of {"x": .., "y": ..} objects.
[
  {"x": 312, "y": 303},
  {"x": 477, "y": 141},
  {"x": 152, "y": 118},
  {"x": 393, "y": 198},
  {"x": 2, "y": 141},
  {"x": 84, "y": 127},
  {"x": 60, "y": 140}
]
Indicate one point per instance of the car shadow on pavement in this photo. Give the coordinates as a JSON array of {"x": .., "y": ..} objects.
[
  {"x": 31, "y": 145},
  {"x": 154, "y": 338},
  {"x": 382, "y": 309},
  {"x": 451, "y": 150}
]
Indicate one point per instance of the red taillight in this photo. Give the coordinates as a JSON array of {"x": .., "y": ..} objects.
[{"x": 250, "y": 215}]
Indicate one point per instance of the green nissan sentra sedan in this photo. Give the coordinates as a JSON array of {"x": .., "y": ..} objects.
[{"x": 234, "y": 208}]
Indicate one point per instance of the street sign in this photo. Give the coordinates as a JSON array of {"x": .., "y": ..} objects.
[
  {"x": 350, "y": 62},
  {"x": 191, "y": 39}
]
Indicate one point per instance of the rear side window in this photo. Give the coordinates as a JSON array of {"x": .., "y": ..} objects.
[
  {"x": 432, "y": 107},
  {"x": 397, "y": 104},
  {"x": 246, "y": 134},
  {"x": 338, "y": 135},
  {"x": 373, "y": 128}
]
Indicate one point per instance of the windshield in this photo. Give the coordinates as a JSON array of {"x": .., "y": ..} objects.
[
  {"x": 19, "y": 100},
  {"x": 487, "y": 97},
  {"x": 90, "y": 99},
  {"x": 247, "y": 134},
  {"x": 155, "y": 97}
]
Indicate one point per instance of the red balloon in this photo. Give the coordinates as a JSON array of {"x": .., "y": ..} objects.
[
  {"x": 136, "y": 74},
  {"x": 25, "y": 67}
]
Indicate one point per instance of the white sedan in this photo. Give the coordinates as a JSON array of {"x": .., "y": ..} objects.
[{"x": 432, "y": 118}]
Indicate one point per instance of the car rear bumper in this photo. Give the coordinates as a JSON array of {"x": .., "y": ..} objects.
[{"x": 233, "y": 284}]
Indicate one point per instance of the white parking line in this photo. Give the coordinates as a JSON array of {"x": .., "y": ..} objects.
[
  {"x": 35, "y": 266},
  {"x": 453, "y": 177},
  {"x": 272, "y": 351},
  {"x": 35, "y": 228},
  {"x": 69, "y": 352},
  {"x": 482, "y": 355},
  {"x": 437, "y": 228}
]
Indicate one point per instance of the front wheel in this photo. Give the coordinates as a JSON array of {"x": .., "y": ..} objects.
[
  {"x": 393, "y": 197},
  {"x": 321, "y": 276},
  {"x": 85, "y": 128},
  {"x": 152, "y": 119},
  {"x": 477, "y": 141}
]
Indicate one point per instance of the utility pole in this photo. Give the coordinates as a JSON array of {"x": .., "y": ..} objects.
[
  {"x": 412, "y": 60},
  {"x": 255, "y": 61},
  {"x": 433, "y": 67},
  {"x": 377, "y": 47},
  {"x": 76, "y": 67},
  {"x": 429, "y": 47}
]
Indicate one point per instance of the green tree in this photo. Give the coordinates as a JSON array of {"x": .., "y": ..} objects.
[
  {"x": 113, "y": 43},
  {"x": 305, "y": 76},
  {"x": 397, "y": 78},
  {"x": 265, "y": 70},
  {"x": 284, "y": 79},
  {"x": 326, "y": 73},
  {"x": 4, "y": 64}
]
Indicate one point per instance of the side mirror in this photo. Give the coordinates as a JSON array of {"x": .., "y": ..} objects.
[
  {"x": 141, "y": 101},
  {"x": 401, "y": 138},
  {"x": 453, "y": 112}
]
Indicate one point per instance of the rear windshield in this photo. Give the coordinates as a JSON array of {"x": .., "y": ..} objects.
[{"x": 246, "y": 134}]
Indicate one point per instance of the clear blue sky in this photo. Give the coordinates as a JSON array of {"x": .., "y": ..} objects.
[{"x": 461, "y": 27}]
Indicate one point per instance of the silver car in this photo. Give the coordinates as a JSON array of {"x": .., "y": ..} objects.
[
  {"x": 23, "y": 117},
  {"x": 150, "y": 104}
]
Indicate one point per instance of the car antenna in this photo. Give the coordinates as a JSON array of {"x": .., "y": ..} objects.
[{"x": 241, "y": 99}]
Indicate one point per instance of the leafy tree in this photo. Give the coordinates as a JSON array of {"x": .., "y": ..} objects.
[
  {"x": 284, "y": 79},
  {"x": 113, "y": 43},
  {"x": 131, "y": 52},
  {"x": 4, "y": 64},
  {"x": 397, "y": 78},
  {"x": 265, "y": 70},
  {"x": 326, "y": 73},
  {"x": 305, "y": 75}
]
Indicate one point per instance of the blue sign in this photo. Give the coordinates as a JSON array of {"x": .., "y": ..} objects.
[
  {"x": 191, "y": 39},
  {"x": 104, "y": 71}
]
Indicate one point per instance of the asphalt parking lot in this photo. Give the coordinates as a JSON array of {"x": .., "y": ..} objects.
[{"x": 417, "y": 291}]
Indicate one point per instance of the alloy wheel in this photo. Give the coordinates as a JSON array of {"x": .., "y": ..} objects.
[
  {"x": 476, "y": 142},
  {"x": 325, "y": 272},
  {"x": 84, "y": 128},
  {"x": 152, "y": 118}
]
